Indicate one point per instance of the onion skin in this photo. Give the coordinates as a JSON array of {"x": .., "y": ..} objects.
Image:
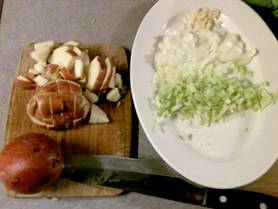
[{"x": 30, "y": 163}]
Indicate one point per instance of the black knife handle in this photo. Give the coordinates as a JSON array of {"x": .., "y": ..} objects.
[{"x": 237, "y": 199}]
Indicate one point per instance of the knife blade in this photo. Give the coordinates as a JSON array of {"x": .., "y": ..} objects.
[{"x": 156, "y": 178}]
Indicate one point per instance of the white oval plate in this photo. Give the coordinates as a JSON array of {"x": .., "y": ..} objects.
[{"x": 225, "y": 155}]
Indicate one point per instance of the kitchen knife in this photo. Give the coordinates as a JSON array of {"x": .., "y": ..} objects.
[{"x": 157, "y": 179}]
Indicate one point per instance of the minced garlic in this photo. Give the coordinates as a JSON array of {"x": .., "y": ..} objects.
[{"x": 203, "y": 18}]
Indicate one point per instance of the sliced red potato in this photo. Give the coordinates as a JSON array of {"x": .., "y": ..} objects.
[
  {"x": 32, "y": 71},
  {"x": 40, "y": 67},
  {"x": 77, "y": 50},
  {"x": 31, "y": 76},
  {"x": 113, "y": 95},
  {"x": 91, "y": 96},
  {"x": 67, "y": 75},
  {"x": 112, "y": 81},
  {"x": 118, "y": 81},
  {"x": 62, "y": 58},
  {"x": 25, "y": 83},
  {"x": 49, "y": 43},
  {"x": 97, "y": 115},
  {"x": 63, "y": 49},
  {"x": 108, "y": 75},
  {"x": 79, "y": 69},
  {"x": 73, "y": 53},
  {"x": 85, "y": 58},
  {"x": 96, "y": 74},
  {"x": 52, "y": 68},
  {"x": 58, "y": 105},
  {"x": 52, "y": 72},
  {"x": 83, "y": 80},
  {"x": 40, "y": 80},
  {"x": 71, "y": 43},
  {"x": 41, "y": 54}
]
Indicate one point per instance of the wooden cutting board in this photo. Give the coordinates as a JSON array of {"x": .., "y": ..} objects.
[{"x": 113, "y": 138}]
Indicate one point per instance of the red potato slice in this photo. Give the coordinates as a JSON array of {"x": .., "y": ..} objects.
[
  {"x": 97, "y": 115},
  {"x": 67, "y": 75},
  {"x": 32, "y": 112},
  {"x": 83, "y": 80},
  {"x": 108, "y": 75},
  {"x": 91, "y": 96},
  {"x": 52, "y": 72},
  {"x": 118, "y": 81},
  {"x": 40, "y": 80},
  {"x": 79, "y": 69},
  {"x": 73, "y": 53},
  {"x": 62, "y": 49},
  {"x": 40, "y": 67},
  {"x": 25, "y": 83},
  {"x": 113, "y": 95},
  {"x": 41, "y": 54},
  {"x": 31, "y": 76},
  {"x": 32, "y": 71},
  {"x": 51, "y": 68},
  {"x": 49, "y": 43},
  {"x": 58, "y": 105},
  {"x": 96, "y": 74},
  {"x": 77, "y": 122},
  {"x": 112, "y": 82},
  {"x": 85, "y": 58},
  {"x": 77, "y": 50},
  {"x": 71, "y": 43},
  {"x": 62, "y": 58}
]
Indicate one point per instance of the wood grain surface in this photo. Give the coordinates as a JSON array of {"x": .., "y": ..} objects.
[
  {"x": 113, "y": 138},
  {"x": 267, "y": 184}
]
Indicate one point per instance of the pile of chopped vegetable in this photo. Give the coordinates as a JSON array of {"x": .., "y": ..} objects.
[
  {"x": 210, "y": 99},
  {"x": 203, "y": 75}
]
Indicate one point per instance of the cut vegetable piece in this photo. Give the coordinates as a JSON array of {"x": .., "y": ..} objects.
[
  {"x": 71, "y": 43},
  {"x": 208, "y": 99},
  {"x": 85, "y": 58},
  {"x": 25, "y": 83},
  {"x": 112, "y": 81},
  {"x": 52, "y": 68},
  {"x": 78, "y": 69},
  {"x": 40, "y": 80},
  {"x": 67, "y": 75},
  {"x": 34, "y": 72},
  {"x": 97, "y": 115},
  {"x": 91, "y": 96},
  {"x": 41, "y": 54},
  {"x": 118, "y": 81},
  {"x": 77, "y": 50},
  {"x": 52, "y": 72},
  {"x": 83, "y": 80},
  {"x": 62, "y": 49},
  {"x": 62, "y": 58},
  {"x": 96, "y": 74},
  {"x": 40, "y": 67},
  {"x": 108, "y": 75},
  {"x": 113, "y": 95},
  {"x": 50, "y": 44},
  {"x": 31, "y": 76}
]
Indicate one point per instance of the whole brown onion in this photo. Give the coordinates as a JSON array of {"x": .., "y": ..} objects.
[{"x": 30, "y": 162}]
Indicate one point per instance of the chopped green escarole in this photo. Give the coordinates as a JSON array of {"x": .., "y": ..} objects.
[{"x": 209, "y": 98}]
